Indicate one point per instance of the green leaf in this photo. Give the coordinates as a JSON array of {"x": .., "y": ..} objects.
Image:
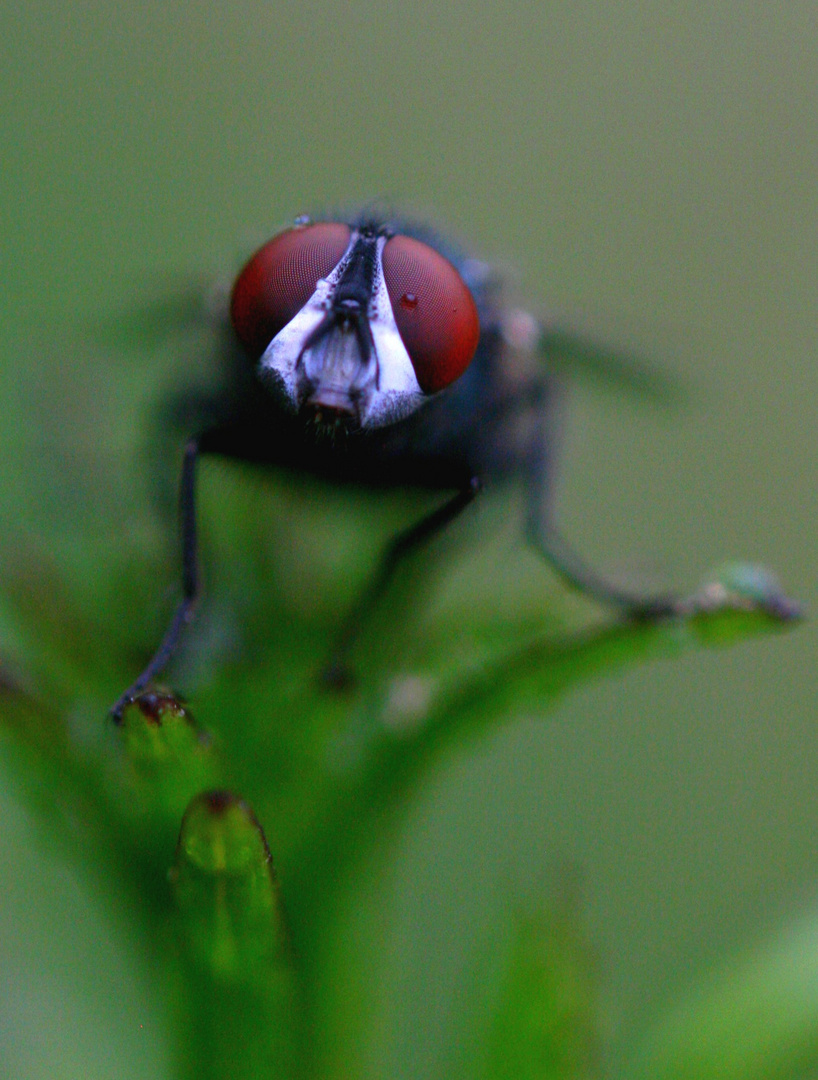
[
  {"x": 403, "y": 726},
  {"x": 237, "y": 988},
  {"x": 166, "y": 760},
  {"x": 756, "y": 1018},
  {"x": 546, "y": 1025},
  {"x": 225, "y": 889}
]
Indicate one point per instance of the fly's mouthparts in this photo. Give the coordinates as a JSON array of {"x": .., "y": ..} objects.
[
  {"x": 329, "y": 423},
  {"x": 330, "y": 410},
  {"x": 332, "y": 400}
]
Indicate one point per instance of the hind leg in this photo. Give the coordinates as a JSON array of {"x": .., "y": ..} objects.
[
  {"x": 541, "y": 529},
  {"x": 337, "y": 672}
]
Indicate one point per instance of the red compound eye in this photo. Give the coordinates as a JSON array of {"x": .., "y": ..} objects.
[
  {"x": 280, "y": 278},
  {"x": 434, "y": 311}
]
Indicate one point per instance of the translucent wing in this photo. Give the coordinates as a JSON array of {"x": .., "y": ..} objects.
[{"x": 575, "y": 353}]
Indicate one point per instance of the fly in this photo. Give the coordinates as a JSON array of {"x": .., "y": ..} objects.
[{"x": 360, "y": 352}]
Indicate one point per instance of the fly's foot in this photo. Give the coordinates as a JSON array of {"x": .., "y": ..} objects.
[
  {"x": 152, "y": 703},
  {"x": 652, "y": 609}
]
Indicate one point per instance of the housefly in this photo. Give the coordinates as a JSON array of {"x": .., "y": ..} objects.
[{"x": 366, "y": 352}]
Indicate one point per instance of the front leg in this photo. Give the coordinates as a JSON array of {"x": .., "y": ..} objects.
[
  {"x": 337, "y": 673},
  {"x": 190, "y": 583}
]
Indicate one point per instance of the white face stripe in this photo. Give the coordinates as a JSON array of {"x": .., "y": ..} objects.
[
  {"x": 393, "y": 391},
  {"x": 397, "y": 386},
  {"x": 283, "y": 352}
]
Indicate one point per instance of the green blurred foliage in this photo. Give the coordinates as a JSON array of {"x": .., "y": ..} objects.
[{"x": 245, "y": 969}]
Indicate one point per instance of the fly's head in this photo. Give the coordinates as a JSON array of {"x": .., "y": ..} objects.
[{"x": 354, "y": 326}]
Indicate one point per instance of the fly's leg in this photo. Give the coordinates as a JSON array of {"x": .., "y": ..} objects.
[
  {"x": 190, "y": 583},
  {"x": 546, "y": 538},
  {"x": 337, "y": 672}
]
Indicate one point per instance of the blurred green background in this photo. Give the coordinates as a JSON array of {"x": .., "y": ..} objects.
[{"x": 648, "y": 168}]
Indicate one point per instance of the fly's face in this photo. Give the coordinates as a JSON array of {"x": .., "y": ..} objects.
[{"x": 354, "y": 325}]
